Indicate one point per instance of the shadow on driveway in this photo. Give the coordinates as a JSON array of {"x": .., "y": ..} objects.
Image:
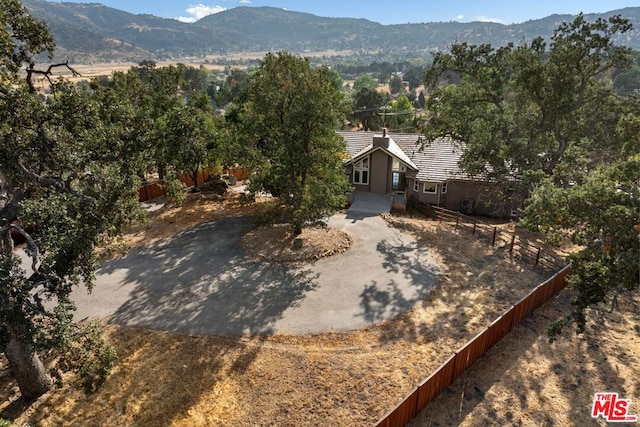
[
  {"x": 201, "y": 282},
  {"x": 409, "y": 260}
]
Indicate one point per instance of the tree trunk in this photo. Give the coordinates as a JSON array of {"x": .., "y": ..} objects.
[{"x": 27, "y": 369}]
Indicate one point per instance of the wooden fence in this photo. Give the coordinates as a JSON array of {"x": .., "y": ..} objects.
[
  {"x": 156, "y": 189},
  {"x": 466, "y": 355},
  {"x": 518, "y": 246}
]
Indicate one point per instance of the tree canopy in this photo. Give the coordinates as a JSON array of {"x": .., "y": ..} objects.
[
  {"x": 71, "y": 162},
  {"x": 547, "y": 122},
  {"x": 290, "y": 116}
]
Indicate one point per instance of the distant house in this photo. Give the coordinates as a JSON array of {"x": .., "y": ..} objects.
[{"x": 383, "y": 163}]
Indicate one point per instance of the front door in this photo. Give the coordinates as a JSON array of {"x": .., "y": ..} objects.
[{"x": 398, "y": 181}]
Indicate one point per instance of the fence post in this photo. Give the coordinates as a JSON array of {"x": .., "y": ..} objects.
[
  {"x": 475, "y": 221},
  {"x": 495, "y": 232},
  {"x": 513, "y": 241},
  {"x": 146, "y": 195},
  {"x": 457, "y": 219},
  {"x": 538, "y": 256},
  {"x": 440, "y": 215}
]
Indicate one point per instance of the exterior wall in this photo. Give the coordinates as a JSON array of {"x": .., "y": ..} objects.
[
  {"x": 487, "y": 200},
  {"x": 429, "y": 198},
  {"x": 380, "y": 176},
  {"x": 458, "y": 191}
]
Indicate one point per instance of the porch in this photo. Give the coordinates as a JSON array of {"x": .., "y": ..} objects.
[{"x": 372, "y": 203}]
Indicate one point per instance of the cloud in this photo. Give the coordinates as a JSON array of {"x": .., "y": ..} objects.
[
  {"x": 458, "y": 18},
  {"x": 245, "y": 1},
  {"x": 482, "y": 18},
  {"x": 199, "y": 11}
]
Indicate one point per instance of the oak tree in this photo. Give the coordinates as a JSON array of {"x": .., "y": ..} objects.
[
  {"x": 62, "y": 196},
  {"x": 546, "y": 121},
  {"x": 291, "y": 115}
]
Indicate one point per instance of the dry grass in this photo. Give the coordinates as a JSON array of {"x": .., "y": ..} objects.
[
  {"x": 197, "y": 209},
  {"x": 327, "y": 379},
  {"x": 278, "y": 243},
  {"x": 524, "y": 380}
]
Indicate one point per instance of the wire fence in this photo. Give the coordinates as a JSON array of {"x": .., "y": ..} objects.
[{"x": 519, "y": 246}]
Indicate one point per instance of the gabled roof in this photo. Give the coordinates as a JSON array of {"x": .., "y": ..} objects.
[
  {"x": 392, "y": 149},
  {"x": 435, "y": 162}
]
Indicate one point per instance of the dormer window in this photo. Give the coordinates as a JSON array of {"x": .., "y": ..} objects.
[{"x": 361, "y": 171}]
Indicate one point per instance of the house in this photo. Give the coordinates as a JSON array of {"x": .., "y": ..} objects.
[{"x": 398, "y": 164}]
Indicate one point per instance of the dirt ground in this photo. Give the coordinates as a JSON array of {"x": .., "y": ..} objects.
[
  {"x": 278, "y": 243},
  {"x": 352, "y": 379},
  {"x": 526, "y": 381}
]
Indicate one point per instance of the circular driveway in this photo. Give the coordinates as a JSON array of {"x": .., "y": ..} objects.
[{"x": 201, "y": 282}]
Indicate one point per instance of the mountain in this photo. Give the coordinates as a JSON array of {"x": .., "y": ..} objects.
[
  {"x": 88, "y": 32},
  {"x": 269, "y": 28},
  {"x": 93, "y": 30}
]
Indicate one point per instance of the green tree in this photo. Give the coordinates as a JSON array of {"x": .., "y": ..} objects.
[
  {"x": 291, "y": 113},
  {"x": 547, "y": 121},
  {"x": 194, "y": 80},
  {"x": 364, "y": 81},
  {"x": 192, "y": 135},
  {"x": 233, "y": 90},
  {"x": 21, "y": 38},
  {"x": 63, "y": 197},
  {"x": 136, "y": 104},
  {"x": 334, "y": 76},
  {"x": 525, "y": 109},
  {"x": 628, "y": 82},
  {"x": 414, "y": 75},
  {"x": 422, "y": 101},
  {"x": 367, "y": 104},
  {"x": 395, "y": 84},
  {"x": 600, "y": 213},
  {"x": 400, "y": 117}
]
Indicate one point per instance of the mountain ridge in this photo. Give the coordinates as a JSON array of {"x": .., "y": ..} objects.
[{"x": 87, "y": 32}]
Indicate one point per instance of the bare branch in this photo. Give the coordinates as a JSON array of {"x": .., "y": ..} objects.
[
  {"x": 31, "y": 245},
  {"x": 52, "y": 182},
  {"x": 47, "y": 73}
]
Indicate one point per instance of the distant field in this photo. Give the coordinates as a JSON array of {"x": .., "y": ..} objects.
[{"x": 210, "y": 62}]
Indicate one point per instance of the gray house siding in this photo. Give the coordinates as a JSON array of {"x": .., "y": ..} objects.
[
  {"x": 380, "y": 172},
  {"x": 486, "y": 198},
  {"x": 431, "y": 164}
]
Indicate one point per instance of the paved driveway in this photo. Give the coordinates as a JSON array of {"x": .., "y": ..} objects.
[{"x": 201, "y": 282}]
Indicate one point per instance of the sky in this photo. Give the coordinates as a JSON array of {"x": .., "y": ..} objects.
[{"x": 384, "y": 12}]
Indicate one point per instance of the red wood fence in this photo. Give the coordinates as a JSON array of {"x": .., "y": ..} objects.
[
  {"x": 466, "y": 355},
  {"x": 156, "y": 189}
]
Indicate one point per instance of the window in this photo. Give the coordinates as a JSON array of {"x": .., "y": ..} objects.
[
  {"x": 443, "y": 188},
  {"x": 361, "y": 172},
  {"x": 430, "y": 188},
  {"x": 397, "y": 166},
  {"x": 416, "y": 186},
  {"x": 395, "y": 181}
]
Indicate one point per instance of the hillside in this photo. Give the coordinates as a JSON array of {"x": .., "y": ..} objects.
[{"x": 93, "y": 32}]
